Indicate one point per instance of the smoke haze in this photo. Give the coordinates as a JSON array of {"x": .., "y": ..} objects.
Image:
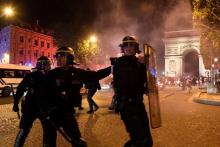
[
  {"x": 144, "y": 19},
  {"x": 110, "y": 20}
]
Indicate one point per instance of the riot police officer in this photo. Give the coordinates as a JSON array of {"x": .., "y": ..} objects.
[
  {"x": 129, "y": 76},
  {"x": 30, "y": 110},
  {"x": 59, "y": 96}
]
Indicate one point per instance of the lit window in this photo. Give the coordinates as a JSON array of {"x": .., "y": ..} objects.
[
  {"x": 48, "y": 45},
  {"x": 36, "y": 42}
]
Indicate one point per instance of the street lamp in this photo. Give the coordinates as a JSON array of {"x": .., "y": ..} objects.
[
  {"x": 93, "y": 43},
  {"x": 216, "y": 69},
  {"x": 8, "y": 11},
  {"x": 93, "y": 39}
]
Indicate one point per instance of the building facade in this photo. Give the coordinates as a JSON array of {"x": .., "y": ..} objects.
[
  {"x": 23, "y": 46},
  {"x": 182, "y": 54}
]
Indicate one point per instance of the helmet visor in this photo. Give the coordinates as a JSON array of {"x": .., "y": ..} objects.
[
  {"x": 57, "y": 55},
  {"x": 129, "y": 44}
]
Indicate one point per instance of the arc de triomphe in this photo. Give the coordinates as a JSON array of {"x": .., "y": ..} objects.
[{"x": 182, "y": 54}]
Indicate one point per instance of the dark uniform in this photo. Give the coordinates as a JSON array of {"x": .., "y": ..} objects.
[
  {"x": 60, "y": 97},
  {"x": 129, "y": 76},
  {"x": 30, "y": 110},
  {"x": 79, "y": 103},
  {"x": 92, "y": 88},
  {"x": 114, "y": 100}
]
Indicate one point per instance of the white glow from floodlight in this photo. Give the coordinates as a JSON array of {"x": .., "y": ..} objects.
[
  {"x": 8, "y": 11},
  {"x": 5, "y": 58},
  {"x": 93, "y": 39}
]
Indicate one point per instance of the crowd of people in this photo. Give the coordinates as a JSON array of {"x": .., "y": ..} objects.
[
  {"x": 185, "y": 82},
  {"x": 53, "y": 94}
]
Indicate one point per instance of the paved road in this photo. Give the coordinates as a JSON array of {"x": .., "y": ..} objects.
[
  {"x": 185, "y": 124},
  {"x": 6, "y": 100}
]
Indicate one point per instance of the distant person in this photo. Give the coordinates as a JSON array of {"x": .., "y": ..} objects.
[
  {"x": 92, "y": 88},
  {"x": 29, "y": 106},
  {"x": 183, "y": 83},
  {"x": 189, "y": 85}
]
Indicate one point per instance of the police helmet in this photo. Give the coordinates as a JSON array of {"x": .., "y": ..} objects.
[
  {"x": 66, "y": 52},
  {"x": 130, "y": 41},
  {"x": 42, "y": 62}
]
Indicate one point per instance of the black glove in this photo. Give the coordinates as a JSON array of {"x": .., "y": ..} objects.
[
  {"x": 113, "y": 60},
  {"x": 15, "y": 107}
]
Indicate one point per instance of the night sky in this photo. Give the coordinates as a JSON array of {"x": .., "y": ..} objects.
[{"x": 110, "y": 20}]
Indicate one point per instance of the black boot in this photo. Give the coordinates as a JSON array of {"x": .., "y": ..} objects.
[
  {"x": 20, "y": 139},
  {"x": 79, "y": 143},
  {"x": 90, "y": 107},
  {"x": 129, "y": 143}
]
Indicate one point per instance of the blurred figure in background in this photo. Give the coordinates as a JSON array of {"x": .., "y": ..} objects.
[{"x": 92, "y": 88}]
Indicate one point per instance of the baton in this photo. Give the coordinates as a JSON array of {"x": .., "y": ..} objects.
[
  {"x": 18, "y": 113},
  {"x": 58, "y": 129}
]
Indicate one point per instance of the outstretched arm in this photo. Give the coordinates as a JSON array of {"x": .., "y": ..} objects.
[
  {"x": 102, "y": 73},
  {"x": 86, "y": 76}
]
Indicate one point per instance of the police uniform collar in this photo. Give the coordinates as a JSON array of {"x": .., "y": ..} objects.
[{"x": 130, "y": 57}]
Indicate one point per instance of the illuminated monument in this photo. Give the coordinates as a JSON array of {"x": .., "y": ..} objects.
[{"x": 182, "y": 54}]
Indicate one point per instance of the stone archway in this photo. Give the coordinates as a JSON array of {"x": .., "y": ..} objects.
[
  {"x": 182, "y": 54},
  {"x": 190, "y": 63}
]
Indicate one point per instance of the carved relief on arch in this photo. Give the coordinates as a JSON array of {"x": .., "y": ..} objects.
[
  {"x": 188, "y": 48},
  {"x": 172, "y": 65}
]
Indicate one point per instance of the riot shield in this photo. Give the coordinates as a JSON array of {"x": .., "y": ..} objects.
[{"x": 153, "y": 96}]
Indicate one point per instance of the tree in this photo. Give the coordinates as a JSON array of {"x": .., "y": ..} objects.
[
  {"x": 206, "y": 18},
  {"x": 85, "y": 51}
]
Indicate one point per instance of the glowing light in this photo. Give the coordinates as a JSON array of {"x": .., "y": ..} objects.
[
  {"x": 5, "y": 58},
  {"x": 216, "y": 59},
  {"x": 8, "y": 11},
  {"x": 93, "y": 39},
  {"x": 119, "y": 54},
  {"x": 28, "y": 64}
]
